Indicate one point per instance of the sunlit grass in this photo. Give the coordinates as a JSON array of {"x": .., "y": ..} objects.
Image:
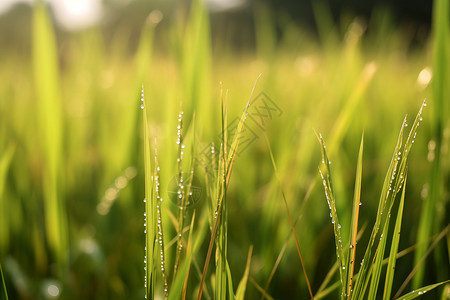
[{"x": 78, "y": 156}]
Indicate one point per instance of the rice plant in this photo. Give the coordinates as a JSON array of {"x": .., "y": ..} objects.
[
  {"x": 365, "y": 282},
  {"x": 194, "y": 191}
]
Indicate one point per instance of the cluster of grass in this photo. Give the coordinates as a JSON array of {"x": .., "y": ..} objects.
[{"x": 233, "y": 206}]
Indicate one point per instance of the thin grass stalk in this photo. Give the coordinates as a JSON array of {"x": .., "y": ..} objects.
[
  {"x": 422, "y": 260},
  {"x": 149, "y": 211},
  {"x": 227, "y": 167},
  {"x": 325, "y": 174},
  {"x": 333, "y": 269},
  {"x": 354, "y": 222},
  {"x": 240, "y": 292},
  {"x": 159, "y": 227},
  {"x": 291, "y": 222},
  {"x": 189, "y": 254},
  {"x": 377, "y": 265},
  {"x": 3, "y": 291},
  {"x": 260, "y": 289},
  {"x": 181, "y": 197},
  {"x": 394, "y": 249}
]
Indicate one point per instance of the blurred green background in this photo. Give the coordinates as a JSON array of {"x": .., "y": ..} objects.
[{"x": 71, "y": 146}]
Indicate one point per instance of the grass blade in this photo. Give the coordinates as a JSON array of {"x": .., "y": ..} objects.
[
  {"x": 354, "y": 222},
  {"x": 422, "y": 260},
  {"x": 291, "y": 222},
  {"x": 325, "y": 174},
  {"x": 377, "y": 265},
  {"x": 149, "y": 213},
  {"x": 416, "y": 293},
  {"x": 226, "y": 162},
  {"x": 3, "y": 291},
  {"x": 392, "y": 184},
  {"x": 5, "y": 161},
  {"x": 49, "y": 111},
  {"x": 240, "y": 293},
  {"x": 440, "y": 108},
  {"x": 394, "y": 248}
]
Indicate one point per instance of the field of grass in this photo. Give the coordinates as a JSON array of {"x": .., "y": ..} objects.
[{"x": 189, "y": 170}]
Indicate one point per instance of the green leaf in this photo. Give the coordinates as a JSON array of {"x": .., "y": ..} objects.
[
  {"x": 325, "y": 174},
  {"x": 354, "y": 223},
  {"x": 240, "y": 293},
  {"x": 150, "y": 212},
  {"x": 3, "y": 292},
  {"x": 394, "y": 248},
  {"x": 419, "y": 292}
]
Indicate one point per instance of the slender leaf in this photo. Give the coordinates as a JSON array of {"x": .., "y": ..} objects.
[
  {"x": 150, "y": 212},
  {"x": 325, "y": 173},
  {"x": 354, "y": 222},
  {"x": 394, "y": 248},
  {"x": 240, "y": 293},
  {"x": 375, "y": 270},
  {"x": 419, "y": 292},
  {"x": 3, "y": 291}
]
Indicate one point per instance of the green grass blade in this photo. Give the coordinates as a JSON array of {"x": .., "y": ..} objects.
[
  {"x": 260, "y": 289},
  {"x": 178, "y": 283},
  {"x": 440, "y": 108},
  {"x": 190, "y": 250},
  {"x": 392, "y": 184},
  {"x": 375, "y": 270},
  {"x": 149, "y": 213},
  {"x": 394, "y": 248},
  {"x": 291, "y": 222},
  {"x": 5, "y": 161},
  {"x": 325, "y": 174},
  {"x": 240, "y": 292},
  {"x": 419, "y": 292},
  {"x": 354, "y": 222},
  {"x": 50, "y": 120},
  {"x": 226, "y": 161},
  {"x": 3, "y": 291},
  {"x": 441, "y": 235}
]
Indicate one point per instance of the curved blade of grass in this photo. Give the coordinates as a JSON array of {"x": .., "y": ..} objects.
[
  {"x": 289, "y": 215},
  {"x": 419, "y": 292},
  {"x": 394, "y": 248},
  {"x": 240, "y": 292},
  {"x": 3, "y": 291},
  {"x": 354, "y": 222},
  {"x": 325, "y": 174},
  {"x": 422, "y": 260}
]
